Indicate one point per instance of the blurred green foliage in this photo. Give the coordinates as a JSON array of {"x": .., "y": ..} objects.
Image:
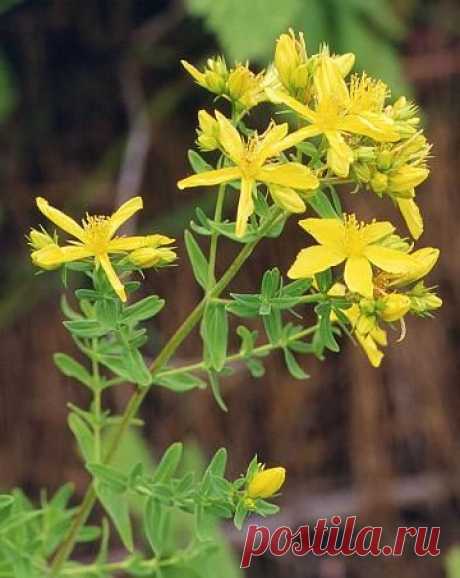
[{"x": 369, "y": 28}]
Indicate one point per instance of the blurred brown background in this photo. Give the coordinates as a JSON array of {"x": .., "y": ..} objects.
[{"x": 94, "y": 108}]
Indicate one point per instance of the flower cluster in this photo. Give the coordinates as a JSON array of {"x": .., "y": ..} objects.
[
  {"x": 96, "y": 239},
  {"x": 347, "y": 132}
]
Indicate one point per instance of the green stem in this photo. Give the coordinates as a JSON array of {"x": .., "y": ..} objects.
[
  {"x": 257, "y": 351},
  {"x": 137, "y": 398},
  {"x": 215, "y": 237},
  {"x": 97, "y": 402}
]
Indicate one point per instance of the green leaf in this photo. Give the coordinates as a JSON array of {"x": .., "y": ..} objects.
[
  {"x": 168, "y": 463},
  {"x": 118, "y": 510},
  {"x": 214, "y": 331},
  {"x": 107, "y": 312},
  {"x": 204, "y": 523},
  {"x": 218, "y": 463},
  {"x": 143, "y": 309},
  {"x": 273, "y": 326},
  {"x": 256, "y": 367},
  {"x": 83, "y": 436},
  {"x": 136, "y": 367},
  {"x": 109, "y": 476},
  {"x": 248, "y": 339},
  {"x": 180, "y": 382},
  {"x": 197, "y": 162},
  {"x": 240, "y": 514},
  {"x": 85, "y": 328},
  {"x": 294, "y": 368},
  {"x": 72, "y": 368},
  {"x": 325, "y": 329},
  {"x": 244, "y": 305},
  {"x": 197, "y": 259},
  {"x": 264, "y": 508},
  {"x": 215, "y": 388},
  {"x": 322, "y": 205},
  {"x": 156, "y": 525}
]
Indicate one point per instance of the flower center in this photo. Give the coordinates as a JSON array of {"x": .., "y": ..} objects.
[
  {"x": 97, "y": 233},
  {"x": 354, "y": 242}
]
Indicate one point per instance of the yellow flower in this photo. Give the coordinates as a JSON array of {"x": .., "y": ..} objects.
[
  {"x": 154, "y": 255},
  {"x": 352, "y": 242},
  {"x": 291, "y": 63},
  {"x": 250, "y": 165},
  {"x": 368, "y": 334},
  {"x": 95, "y": 238},
  {"x": 214, "y": 77},
  {"x": 423, "y": 261},
  {"x": 395, "y": 306},
  {"x": 265, "y": 483},
  {"x": 40, "y": 239},
  {"x": 339, "y": 111},
  {"x": 245, "y": 88},
  {"x": 207, "y": 132}
]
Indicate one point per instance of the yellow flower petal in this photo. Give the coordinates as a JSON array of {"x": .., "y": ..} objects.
[
  {"x": 287, "y": 199},
  {"x": 60, "y": 219},
  {"x": 292, "y": 175},
  {"x": 245, "y": 207},
  {"x": 424, "y": 260},
  {"x": 266, "y": 483},
  {"x": 371, "y": 124},
  {"x": 208, "y": 178},
  {"x": 53, "y": 256},
  {"x": 329, "y": 232},
  {"x": 194, "y": 72},
  {"x": 412, "y": 216},
  {"x": 407, "y": 178},
  {"x": 370, "y": 348},
  {"x": 230, "y": 138},
  {"x": 313, "y": 260},
  {"x": 278, "y": 97},
  {"x": 358, "y": 276},
  {"x": 345, "y": 62},
  {"x": 125, "y": 212},
  {"x": 339, "y": 154},
  {"x": 112, "y": 276},
  {"x": 268, "y": 146},
  {"x": 376, "y": 231},
  {"x": 296, "y": 137},
  {"x": 128, "y": 243},
  {"x": 396, "y": 306},
  {"x": 329, "y": 81},
  {"x": 388, "y": 260}
]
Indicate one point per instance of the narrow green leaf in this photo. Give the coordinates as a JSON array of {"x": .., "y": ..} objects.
[
  {"x": 118, "y": 510},
  {"x": 156, "y": 525},
  {"x": 72, "y": 368},
  {"x": 168, "y": 463},
  {"x": 294, "y": 368},
  {"x": 214, "y": 331},
  {"x": 215, "y": 388},
  {"x": 197, "y": 162},
  {"x": 85, "y": 328},
  {"x": 180, "y": 382},
  {"x": 143, "y": 309},
  {"x": 83, "y": 436},
  {"x": 109, "y": 476},
  {"x": 197, "y": 259}
]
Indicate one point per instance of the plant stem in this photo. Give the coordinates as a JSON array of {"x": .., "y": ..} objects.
[
  {"x": 137, "y": 398},
  {"x": 97, "y": 406},
  {"x": 215, "y": 237},
  {"x": 257, "y": 351}
]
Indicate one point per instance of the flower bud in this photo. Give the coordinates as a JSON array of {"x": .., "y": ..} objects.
[
  {"x": 39, "y": 239},
  {"x": 423, "y": 261},
  {"x": 396, "y": 306},
  {"x": 362, "y": 172},
  {"x": 146, "y": 257},
  {"x": 208, "y": 131},
  {"x": 266, "y": 483},
  {"x": 291, "y": 61},
  {"x": 423, "y": 301},
  {"x": 379, "y": 182},
  {"x": 384, "y": 160},
  {"x": 406, "y": 178},
  {"x": 345, "y": 63}
]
